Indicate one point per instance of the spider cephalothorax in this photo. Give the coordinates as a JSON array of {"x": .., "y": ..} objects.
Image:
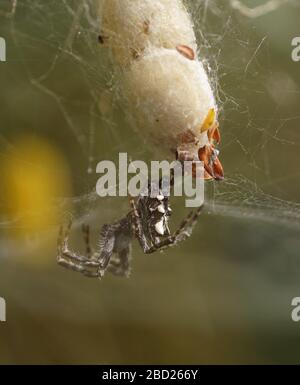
[{"x": 147, "y": 221}]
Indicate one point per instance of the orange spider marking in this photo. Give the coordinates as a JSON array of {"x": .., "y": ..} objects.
[
  {"x": 214, "y": 133},
  {"x": 212, "y": 165},
  {"x": 209, "y": 120},
  {"x": 206, "y": 176}
]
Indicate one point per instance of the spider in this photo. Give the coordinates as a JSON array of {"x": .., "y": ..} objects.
[{"x": 147, "y": 221}]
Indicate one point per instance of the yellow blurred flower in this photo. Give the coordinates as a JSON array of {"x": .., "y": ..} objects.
[{"x": 34, "y": 174}]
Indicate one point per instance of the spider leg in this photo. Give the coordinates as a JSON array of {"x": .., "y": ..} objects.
[
  {"x": 138, "y": 228},
  {"x": 184, "y": 231},
  {"x": 74, "y": 261},
  {"x": 87, "y": 239},
  {"x": 107, "y": 244},
  {"x": 80, "y": 268},
  {"x": 187, "y": 225},
  {"x": 64, "y": 251},
  {"x": 121, "y": 267},
  {"x": 95, "y": 264}
]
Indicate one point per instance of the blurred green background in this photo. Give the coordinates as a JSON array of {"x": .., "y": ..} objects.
[{"x": 225, "y": 295}]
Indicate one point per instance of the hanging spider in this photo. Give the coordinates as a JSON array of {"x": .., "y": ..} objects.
[
  {"x": 167, "y": 95},
  {"x": 147, "y": 221}
]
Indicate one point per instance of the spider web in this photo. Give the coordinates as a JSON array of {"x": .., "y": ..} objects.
[
  {"x": 65, "y": 35},
  {"x": 53, "y": 56}
]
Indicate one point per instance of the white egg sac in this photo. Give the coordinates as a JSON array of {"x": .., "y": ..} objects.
[
  {"x": 167, "y": 94},
  {"x": 130, "y": 26},
  {"x": 165, "y": 88}
]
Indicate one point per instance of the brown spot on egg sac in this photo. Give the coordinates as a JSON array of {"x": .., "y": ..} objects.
[
  {"x": 186, "y": 51},
  {"x": 102, "y": 39},
  {"x": 187, "y": 137},
  {"x": 146, "y": 27}
]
